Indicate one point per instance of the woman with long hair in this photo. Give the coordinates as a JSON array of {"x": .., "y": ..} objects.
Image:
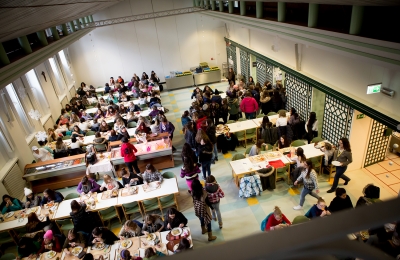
[
  {"x": 256, "y": 148},
  {"x": 74, "y": 239},
  {"x": 32, "y": 200},
  {"x": 174, "y": 218},
  {"x": 129, "y": 229},
  {"x": 214, "y": 194},
  {"x": 283, "y": 142},
  {"x": 309, "y": 178},
  {"x": 344, "y": 156},
  {"x": 87, "y": 185},
  {"x": 50, "y": 195},
  {"x": 277, "y": 102},
  {"x": 102, "y": 235},
  {"x": 300, "y": 160},
  {"x": 190, "y": 135},
  {"x": 82, "y": 219},
  {"x": 187, "y": 151},
  {"x": 294, "y": 117},
  {"x": 312, "y": 127},
  {"x": 205, "y": 152},
  {"x": 190, "y": 171},
  {"x": 34, "y": 224},
  {"x": 152, "y": 223},
  {"x": 265, "y": 101},
  {"x": 109, "y": 183},
  {"x": 201, "y": 210}
]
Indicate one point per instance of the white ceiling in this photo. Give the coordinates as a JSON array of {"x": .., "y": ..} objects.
[{"x": 23, "y": 17}]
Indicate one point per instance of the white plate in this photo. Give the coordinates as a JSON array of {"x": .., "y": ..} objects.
[
  {"x": 50, "y": 254},
  {"x": 9, "y": 214},
  {"x": 99, "y": 246},
  {"x": 175, "y": 247},
  {"x": 76, "y": 250},
  {"x": 336, "y": 163},
  {"x": 128, "y": 244},
  {"x": 151, "y": 237},
  {"x": 176, "y": 234}
]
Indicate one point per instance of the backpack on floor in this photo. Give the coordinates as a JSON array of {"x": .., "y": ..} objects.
[{"x": 264, "y": 222}]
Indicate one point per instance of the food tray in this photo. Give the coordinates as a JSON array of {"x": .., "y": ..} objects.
[{"x": 258, "y": 158}]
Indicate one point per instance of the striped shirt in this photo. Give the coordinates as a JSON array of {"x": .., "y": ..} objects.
[{"x": 311, "y": 182}]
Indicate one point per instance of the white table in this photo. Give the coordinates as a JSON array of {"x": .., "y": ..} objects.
[
  {"x": 100, "y": 90},
  {"x": 86, "y": 140},
  {"x": 165, "y": 241},
  {"x": 241, "y": 126},
  {"x": 310, "y": 152},
  {"x": 102, "y": 165},
  {"x": 272, "y": 119},
  {"x": 168, "y": 186},
  {"x": 92, "y": 110}
]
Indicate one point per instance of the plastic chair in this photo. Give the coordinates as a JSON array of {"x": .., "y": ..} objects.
[
  {"x": 5, "y": 238},
  {"x": 300, "y": 219},
  {"x": 238, "y": 156},
  {"x": 282, "y": 110},
  {"x": 150, "y": 204},
  {"x": 111, "y": 124},
  {"x": 100, "y": 147},
  {"x": 240, "y": 137},
  {"x": 131, "y": 208},
  {"x": 297, "y": 143},
  {"x": 132, "y": 124},
  {"x": 316, "y": 161},
  {"x": 168, "y": 175},
  {"x": 260, "y": 115},
  {"x": 143, "y": 106},
  {"x": 266, "y": 147},
  {"x": 167, "y": 202},
  {"x": 317, "y": 139},
  {"x": 242, "y": 119},
  {"x": 66, "y": 137},
  {"x": 282, "y": 173},
  {"x": 251, "y": 134},
  {"x": 64, "y": 225},
  {"x": 8, "y": 256},
  {"x": 271, "y": 114},
  {"x": 71, "y": 196},
  {"x": 108, "y": 214},
  {"x": 247, "y": 151},
  {"x": 89, "y": 133},
  {"x": 230, "y": 122}
]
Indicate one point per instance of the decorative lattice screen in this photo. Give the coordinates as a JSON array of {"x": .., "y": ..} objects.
[
  {"x": 231, "y": 54},
  {"x": 245, "y": 65},
  {"x": 377, "y": 145},
  {"x": 337, "y": 120},
  {"x": 299, "y": 94},
  {"x": 264, "y": 71}
]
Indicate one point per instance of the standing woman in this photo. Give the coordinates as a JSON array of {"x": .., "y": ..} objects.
[
  {"x": 265, "y": 101},
  {"x": 300, "y": 160},
  {"x": 128, "y": 151},
  {"x": 344, "y": 156},
  {"x": 233, "y": 106},
  {"x": 205, "y": 152},
  {"x": 312, "y": 127},
  {"x": 231, "y": 76},
  {"x": 309, "y": 178},
  {"x": 201, "y": 210},
  {"x": 190, "y": 135},
  {"x": 190, "y": 171},
  {"x": 187, "y": 151}
]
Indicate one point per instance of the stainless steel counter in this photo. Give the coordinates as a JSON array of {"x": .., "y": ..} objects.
[
  {"x": 207, "y": 77},
  {"x": 179, "y": 82}
]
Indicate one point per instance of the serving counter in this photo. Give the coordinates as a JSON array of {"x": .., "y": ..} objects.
[
  {"x": 207, "y": 77},
  {"x": 55, "y": 174},
  {"x": 179, "y": 82},
  {"x": 158, "y": 153}
]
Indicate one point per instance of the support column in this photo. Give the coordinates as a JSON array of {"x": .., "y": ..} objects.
[
  {"x": 64, "y": 29},
  {"x": 242, "y": 8},
  {"x": 281, "y": 11},
  {"x": 312, "y": 15},
  {"x": 78, "y": 24},
  {"x": 86, "y": 19},
  {"x": 25, "y": 45},
  {"x": 202, "y": 3},
  {"x": 72, "y": 26},
  {"x": 3, "y": 56},
  {"x": 90, "y": 19},
  {"x": 230, "y": 7},
  {"x": 357, "y": 15},
  {"x": 54, "y": 32},
  {"x": 213, "y": 5},
  {"x": 207, "y": 4},
  {"x": 82, "y": 22},
  {"x": 259, "y": 9},
  {"x": 42, "y": 38},
  {"x": 221, "y": 6}
]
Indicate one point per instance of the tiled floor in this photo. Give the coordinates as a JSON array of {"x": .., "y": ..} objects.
[
  {"x": 242, "y": 217},
  {"x": 387, "y": 172}
]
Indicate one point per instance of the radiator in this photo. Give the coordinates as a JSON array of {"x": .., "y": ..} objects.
[{"x": 14, "y": 183}]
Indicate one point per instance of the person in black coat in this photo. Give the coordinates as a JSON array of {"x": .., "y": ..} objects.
[
  {"x": 83, "y": 221},
  {"x": 102, "y": 234},
  {"x": 227, "y": 142},
  {"x": 130, "y": 178},
  {"x": 211, "y": 133},
  {"x": 341, "y": 202},
  {"x": 174, "y": 218}
]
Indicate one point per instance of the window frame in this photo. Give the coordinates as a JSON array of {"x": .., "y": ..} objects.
[
  {"x": 39, "y": 99},
  {"x": 60, "y": 90}
]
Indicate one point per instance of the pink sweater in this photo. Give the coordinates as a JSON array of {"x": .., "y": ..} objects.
[{"x": 249, "y": 105}]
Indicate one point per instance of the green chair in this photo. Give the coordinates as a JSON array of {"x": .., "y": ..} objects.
[
  {"x": 260, "y": 115},
  {"x": 108, "y": 214},
  {"x": 132, "y": 124},
  {"x": 100, "y": 147},
  {"x": 242, "y": 119},
  {"x": 64, "y": 225},
  {"x": 99, "y": 86},
  {"x": 5, "y": 238},
  {"x": 168, "y": 175},
  {"x": 150, "y": 204},
  {"x": 8, "y": 256},
  {"x": 297, "y": 143},
  {"x": 19, "y": 232},
  {"x": 238, "y": 156},
  {"x": 143, "y": 106},
  {"x": 89, "y": 133},
  {"x": 230, "y": 122},
  {"x": 282, "y": 110},
  {"x": 317, "y": 139},
  {"x": 71, "y": 196},
  {"x": 251, "y": 134},
  {"x": 300, "y": 219},
  {"x": 167, "y": 202},
  {"x": 266, "y": 147},
  {"x": 283, "y": 173},
  {"x": 240, "y": 137},
  {"x": 247, "y": 151},
  {"x": 131, "y": 208},
  {"x": 271, "y": 114},
  {"x": 316, "y": 161},
  {"x": 111, "y": 125},
  {"x": 66, "y": 137},
  {"x": 87, "y": 107}
]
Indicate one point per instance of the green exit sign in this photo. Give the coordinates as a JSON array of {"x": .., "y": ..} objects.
[{"x": 360, "y": 116}]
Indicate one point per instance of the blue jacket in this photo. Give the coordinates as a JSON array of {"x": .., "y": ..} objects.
[
  {"x": 170, "y": 128},
  {"x": 58, "y": 199},
  {"x": 185, "y": 120}
]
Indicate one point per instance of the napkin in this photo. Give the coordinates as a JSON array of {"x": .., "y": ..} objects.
[{"x": 277, "y": 164}]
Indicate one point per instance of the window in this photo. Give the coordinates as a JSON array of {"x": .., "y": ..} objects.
[
  {"x": 19, "y": 109},
  {"x": 66, "y": 68},
  {"x": 56, "y": 77},
  {"x": 35, "y": 92},
  {"x": 5, "y": 141}
]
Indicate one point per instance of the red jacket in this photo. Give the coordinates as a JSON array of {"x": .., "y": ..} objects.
[
  {"x": 199, "y": 121},
  {"x": 128, "y": 152},
  {"x": 272, "y": 222},
  {"x": 249, "y": 105}
]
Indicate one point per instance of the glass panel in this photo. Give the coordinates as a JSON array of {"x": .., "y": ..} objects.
[
  {"x": 65, "y": 66},
  {"x": 37, "y": 91},
  {"x": 57, "y": 75}
]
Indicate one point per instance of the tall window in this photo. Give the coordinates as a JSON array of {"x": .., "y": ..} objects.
[
  {"x": 36, "y": 93},
  {"x": 56, "y": 76},
  {"x": 20, "y": 110},
  {"x": 66, "y": 67}
]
